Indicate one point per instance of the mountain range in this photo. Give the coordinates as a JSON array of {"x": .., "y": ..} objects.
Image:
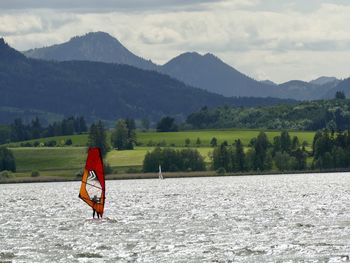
[
  {"x": 98, "y": 90},
  {"x": 207, "y": 71}
]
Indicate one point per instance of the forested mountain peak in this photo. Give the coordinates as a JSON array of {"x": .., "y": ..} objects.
[
  {"x": 211, "y": 73},
  {"x": 93, "y": 46},
  {"x": 98, "y": 36},
  {"x": 324, "y": 80},
  {"x": 294, "y": 82},
  {"x": 8, "y": 54}
]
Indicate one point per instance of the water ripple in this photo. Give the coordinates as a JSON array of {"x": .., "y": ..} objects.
[{"x": 289, "y": 218}]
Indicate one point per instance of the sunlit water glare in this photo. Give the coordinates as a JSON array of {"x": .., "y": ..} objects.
[{"x": 279, "y": 218}]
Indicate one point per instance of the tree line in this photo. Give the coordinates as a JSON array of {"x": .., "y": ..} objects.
[
  {"x": 172, "y": 160},
  {"x": 19, "y": 131},
  {"x": 286, "y": 153},
  {"x": 123, "y": 136},
  {"x": 331, "y": 149},
  {"x": 310, "y": 115}
]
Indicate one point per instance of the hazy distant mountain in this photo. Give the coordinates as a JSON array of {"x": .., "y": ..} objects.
[
  {"x": 214, "y": 75},
  {"x": 210, "y": 73},
  {"x": 342, "y": 86},
  {"x": 324, "y": 80},
  {"x": 268, "y": 82},
  {"x": 302, "y": 90},
  {"x": 203, "y": 71},
  {"x": 98, "y": 90},
  {"x": 96, "y": 46}
]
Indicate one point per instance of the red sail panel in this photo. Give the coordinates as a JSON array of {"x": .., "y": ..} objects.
[{"x": 92, "y": 189}]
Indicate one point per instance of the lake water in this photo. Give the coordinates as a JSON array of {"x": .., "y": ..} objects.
[{"x": 279, "y": 218}]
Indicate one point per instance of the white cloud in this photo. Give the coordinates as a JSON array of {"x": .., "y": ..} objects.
[{"x": 259, "y": 37}]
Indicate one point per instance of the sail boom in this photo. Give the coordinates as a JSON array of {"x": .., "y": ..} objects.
[{"x": 92, "y": 185}]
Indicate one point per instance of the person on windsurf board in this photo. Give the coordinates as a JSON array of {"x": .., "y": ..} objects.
[
  {"x": 96, "y": 200},
  {"x": 92, "y": 190}
]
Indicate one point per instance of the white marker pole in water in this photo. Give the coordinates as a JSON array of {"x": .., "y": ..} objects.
[{"x": 160, "y": 172}]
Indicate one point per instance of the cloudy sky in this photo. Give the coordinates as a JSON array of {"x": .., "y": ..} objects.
[{"x": 278, "y": 40}]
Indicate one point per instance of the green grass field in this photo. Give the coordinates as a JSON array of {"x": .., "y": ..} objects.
[
  {"x": 71, "y": 159},
  {"x": 77, "y": 140},
  {"x": 53, "y": 158},
  {"x": 178, "y": 138}
]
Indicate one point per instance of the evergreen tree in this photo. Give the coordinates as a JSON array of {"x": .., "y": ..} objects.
[
  {"x": 98, "y": 138},
  {"x": 222, "y": 158},
  {"x": 120, "y": 137},
  {"x": 130, "y": 124},
  {"x": 36, "y": 129},
  {"x": 276, "y": 145},
  {"x": 213, "y": 142},
  {"x": 167, "y": 124},
  {"x": 19, "y": 132},
  {"x": 5, "y": 134},
  {"x": 240, "y": 156},
  {"x": 340, "y": 95},
  {"x": 124, "y": 136},
  {"x": 198, "y": 142},
  {"x": 7, "y": 160},
  {"x": 262, "y": 159},
  {"x": 300, "y": 157},
  {"x": 82, "y": 125},
  {"x": 145, "y": 123},
  {"x": 285, "y": 142},
  {"x": 295, "y": 143},
  {"x": 282, "y": 161}
]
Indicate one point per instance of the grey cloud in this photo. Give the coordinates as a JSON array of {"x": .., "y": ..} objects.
[
  {"x": 105, "y": 5},
  {"x": 304, "y": 6},
  {"x": 34, "y": 23},
  {"x": 271, "y": 45}
]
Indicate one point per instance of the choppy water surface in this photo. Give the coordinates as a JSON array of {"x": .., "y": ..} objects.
[{"x": 286, "y": 218}]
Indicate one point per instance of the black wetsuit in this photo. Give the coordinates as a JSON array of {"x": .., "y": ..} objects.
[
  {"x": 93, "y": 213},
  {"x": 95, "y": 200}
]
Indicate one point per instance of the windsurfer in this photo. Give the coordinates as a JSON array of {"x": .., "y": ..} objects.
[{"x": 96, "y": 200}]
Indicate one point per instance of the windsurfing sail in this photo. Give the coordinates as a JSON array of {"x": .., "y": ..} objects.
[
  {"x": 92, "y": 190},
  {"x": 160, "y": 173}
]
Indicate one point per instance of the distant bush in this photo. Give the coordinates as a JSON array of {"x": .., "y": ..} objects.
[
  {"x": 26, "y": 144},
  {"x": 35, "y": 174},
  {"x": 79, "y": 174},
  {"x": 167, "y": 124},
  {"x": 68, "y": 142},
  {"x": 138, "y": 143},
  {"x": 132, "y": 170},
  {"x": 107, "y": 168},
  {"x": 221, "y": 170},
  {"x": 150, "y": 143},
  {"x": 5, "y": 174},
  {"x": 36, "y": 144},
  {"x": 51, "y": 143},
  {"x": 161, "y": 143}
]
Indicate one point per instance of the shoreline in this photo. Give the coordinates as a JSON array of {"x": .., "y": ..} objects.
[{"x": 138, "y": 176}]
